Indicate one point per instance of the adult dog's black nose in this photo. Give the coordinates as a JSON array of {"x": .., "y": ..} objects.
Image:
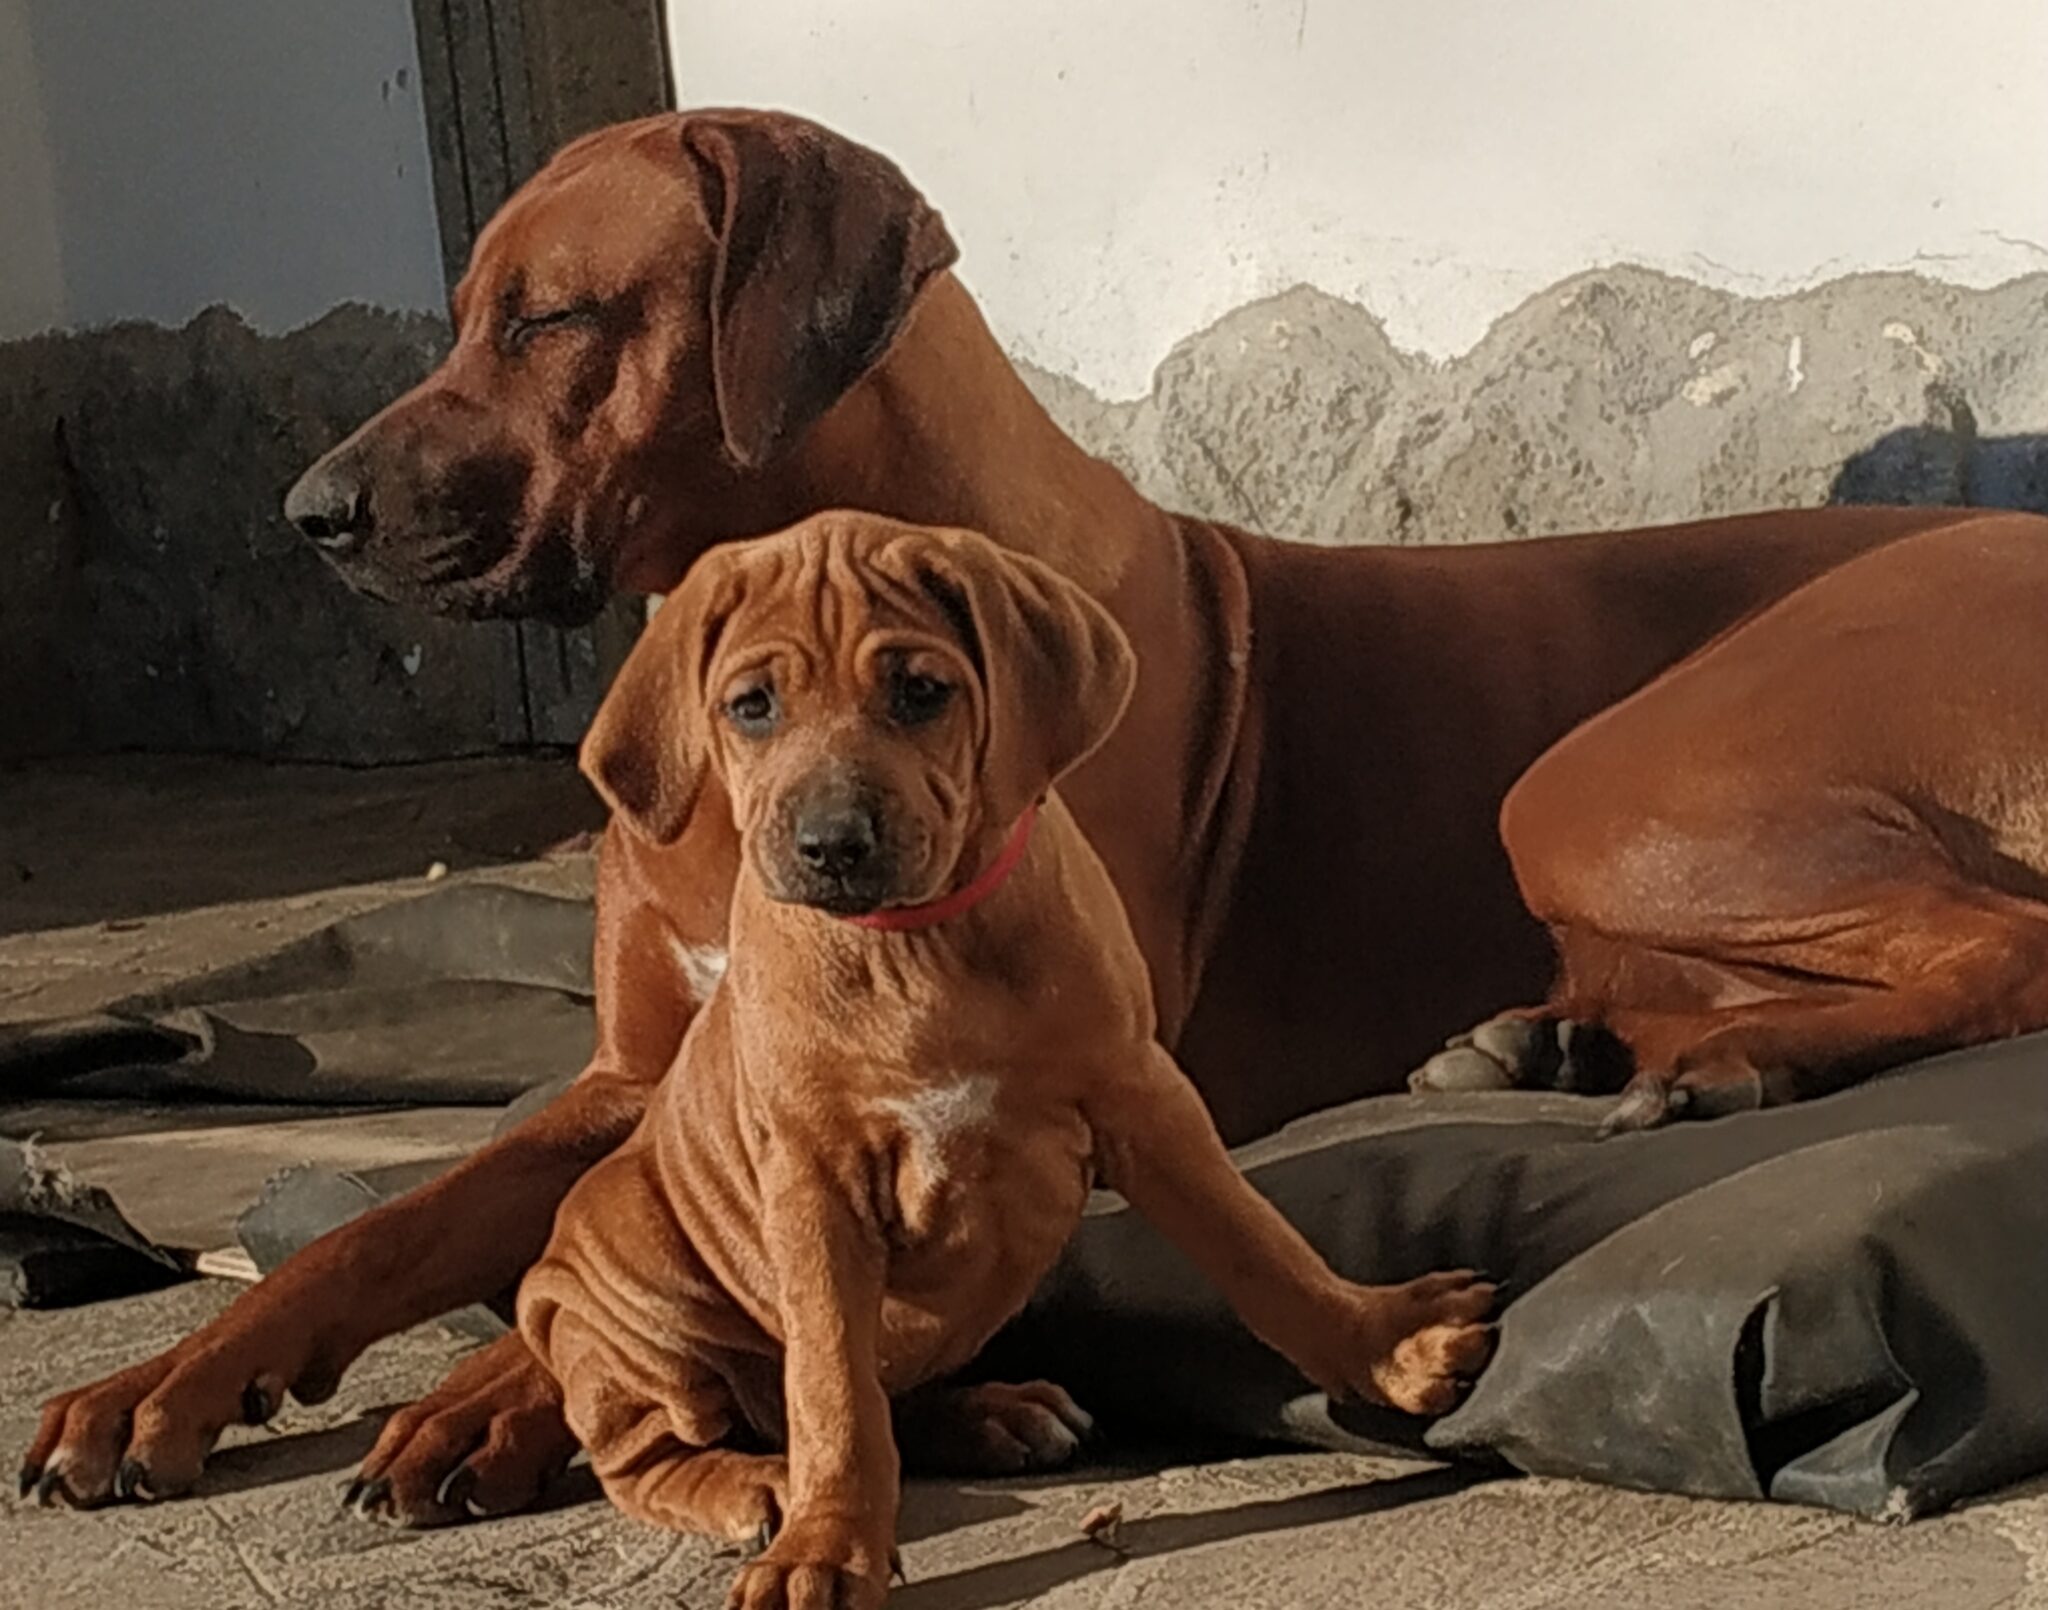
[
  {"x": 837, "y": 840},
  {"x": 330, "y": 504}
]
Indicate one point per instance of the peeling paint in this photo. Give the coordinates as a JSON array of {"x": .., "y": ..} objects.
[
  {"x": 1907, "y": 337},
  {"x": 1716, "y": 385},
  {"x": 1619, "y": 397}
]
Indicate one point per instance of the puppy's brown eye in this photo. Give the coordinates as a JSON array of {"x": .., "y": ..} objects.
[
  {"x": 753, "y": 711},
  {"x": 915, "y": 698}
]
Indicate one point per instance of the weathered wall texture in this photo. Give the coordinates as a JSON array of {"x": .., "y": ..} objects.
[
  {"x": 154, "y": 598},
  {"x": 151, "y": 595},
  {"x": 271, "y": 163},
  {"x": 1619, "y": 397}
]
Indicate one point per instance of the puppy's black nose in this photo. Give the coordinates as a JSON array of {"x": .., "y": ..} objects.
[
  {"x": 330, "y": 504},
  {"x": 837, "y": 841}
]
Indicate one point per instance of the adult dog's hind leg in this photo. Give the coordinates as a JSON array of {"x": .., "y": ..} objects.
[{"x": 1903, "y": 971}]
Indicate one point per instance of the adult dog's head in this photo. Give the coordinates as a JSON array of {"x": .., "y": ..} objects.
[
  {"x": 649, "y": 322},
  {"x": 880, "y": 701}
]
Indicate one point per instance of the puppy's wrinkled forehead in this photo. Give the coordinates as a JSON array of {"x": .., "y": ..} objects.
[{"x": 826, "y": 590}]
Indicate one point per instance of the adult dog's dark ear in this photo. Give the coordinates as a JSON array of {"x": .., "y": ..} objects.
[
  {"x": 649, "y": 748},
  {"x": 822, "y": 247},
  {"x": 1056, "y": 669}
]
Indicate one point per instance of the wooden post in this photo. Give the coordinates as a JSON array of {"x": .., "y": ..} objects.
[{"x": 505, "y": 83}]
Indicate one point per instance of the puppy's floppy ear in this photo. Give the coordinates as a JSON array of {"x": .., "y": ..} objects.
[
  {"x": 1056, "y": 668},
  {"x": 822, "y": 247},
  {"x": 649, "y": 747}
]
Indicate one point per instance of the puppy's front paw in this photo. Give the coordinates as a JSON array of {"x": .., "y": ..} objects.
[
  {"x": 814, "y": 1564},
  {"x": 1427, "y": 1341}
]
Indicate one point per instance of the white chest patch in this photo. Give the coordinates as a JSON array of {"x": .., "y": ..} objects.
[
  {"x": 703, "y": 966},
  {"x": 938, "y": 1112}
]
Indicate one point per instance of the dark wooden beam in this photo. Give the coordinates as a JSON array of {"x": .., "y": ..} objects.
[{"x": 504, "y": 84}]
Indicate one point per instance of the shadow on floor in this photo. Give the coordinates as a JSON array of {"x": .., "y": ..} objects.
[
  {"x": 931, "y": 1508},
  {"x": 120, "y": 837},
  {"x": 1015, "y": 1581},
  {"x": 291, "y": 1456}
]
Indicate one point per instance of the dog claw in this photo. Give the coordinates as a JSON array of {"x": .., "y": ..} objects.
[
  {"x": 456, "y": 1488},
  {"x": 48, "y": 1486},
  {"x": 132, "y": 1481},
  {"x": 1641, "y": 1107},
  {"x": 370, "y": 1499},
  {"x": 352, "y": 1492},
  {"x": 750, "y": 1548},
  {"x": 29, "y": 1475},
  {"x": 896, "y": 1571},
  {"x": 257, "y": 1404}
]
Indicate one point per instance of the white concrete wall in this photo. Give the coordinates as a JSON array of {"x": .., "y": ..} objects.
[
  {"x": 1122, "y": 172},
  {"x": 270, "y": 154}
]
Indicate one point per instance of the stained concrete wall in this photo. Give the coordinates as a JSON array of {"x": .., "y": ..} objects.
[
  {"x": 266, "y": 162},
  {"x": 1620, "y": 397},
  {"x": 151, "y": 595}
]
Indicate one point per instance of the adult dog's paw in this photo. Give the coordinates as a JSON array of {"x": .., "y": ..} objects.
[{"x": 991, "y": 1429}]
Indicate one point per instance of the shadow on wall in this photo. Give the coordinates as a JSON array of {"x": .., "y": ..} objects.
[{"x": 1949, "y": 463}]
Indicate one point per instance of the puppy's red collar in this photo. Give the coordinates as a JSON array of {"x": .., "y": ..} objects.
[{"x": 904, "y": 919}]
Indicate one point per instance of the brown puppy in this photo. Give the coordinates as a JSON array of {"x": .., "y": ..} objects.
[
  {"x": 1816, "y": 849},
  {"x": 935, "y": 1027},
  {"x": 707, "y": 326}
]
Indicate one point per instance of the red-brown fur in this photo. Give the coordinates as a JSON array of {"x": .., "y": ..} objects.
[
  {"x": 1817, "y": 848},
  {"x": 1298, "y": 810},
  {"x": 873, "y": 1144}
]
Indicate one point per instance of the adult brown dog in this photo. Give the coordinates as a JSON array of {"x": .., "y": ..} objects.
[
  {"x": 1817, "y": 848},
  {"x": 701, "y": 327},
  {"x": 936, "y": 1026}
]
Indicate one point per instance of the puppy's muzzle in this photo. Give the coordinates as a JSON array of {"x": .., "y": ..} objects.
[
  {"x": 837, "y": 843},
  {"x": 837, "y": 853}
]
